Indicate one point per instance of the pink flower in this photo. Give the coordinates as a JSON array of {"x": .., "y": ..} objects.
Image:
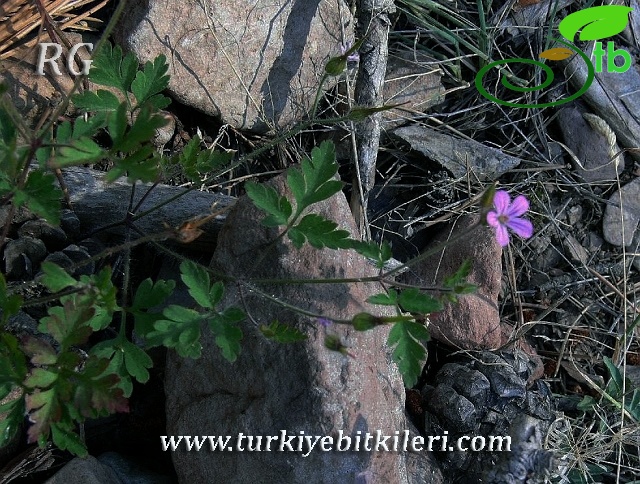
[{"x": 507, "y": 216}]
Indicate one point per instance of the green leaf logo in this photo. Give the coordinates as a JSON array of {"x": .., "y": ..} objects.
[{"x": 596, "y": 22}]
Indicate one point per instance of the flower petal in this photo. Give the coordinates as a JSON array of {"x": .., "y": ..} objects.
[
  {"x": 519, "y": 206},
  {"x": 492, "y": 219},
  {"x": 502, "y": 236},
  {"x": 521, "y": 226},
  {"x": 501, "y": 201}
]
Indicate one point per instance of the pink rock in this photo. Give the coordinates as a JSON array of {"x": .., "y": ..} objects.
[
  {"x": 473, "y": 322},
  {"x": 300, "y": 387}
]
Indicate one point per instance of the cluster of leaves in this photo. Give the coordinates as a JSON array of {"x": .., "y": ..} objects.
[
  {"x": 60, "y": 378},
  {"x": 62, "y": 382},
  {"x": 314, "y": 181}
]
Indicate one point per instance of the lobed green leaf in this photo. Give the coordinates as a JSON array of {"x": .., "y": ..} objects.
[
  {"x": 277, "y": 207},
  {"x": 149, "y": 82},
  {"x": 40, "y": 195},
  {"x": 408, "y": 351},
  {"x": 110, "y": 68},
  {"x": 282, "y": 333},
  {"x": 320, "y": 233},
  {"x": 415, "y": 301},
  {"x": 197, "y": 281}
]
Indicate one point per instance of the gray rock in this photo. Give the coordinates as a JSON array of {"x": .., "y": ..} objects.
[
  {"x": 574, "y": 249},
  {"x": 69, "y": 222},
  {"x": 54, "y": 238},
  {"x": 410, "y": 81},
  {"x": 85, "y": 470},
  {"x": 60, "y": 259},
  {"x": 590, "y": 147},
  {"x": 509, "y": 406},
  {"x": 458, "y": 155},
  {"x": 616, "y": 219},
  {"x": 80, "y": 255},
  {"x": 22, "y": 257},
  {"x": 131, "y": 472},
  {"x": 298, "y": 387},
  {"x": 252, "y": 64}
]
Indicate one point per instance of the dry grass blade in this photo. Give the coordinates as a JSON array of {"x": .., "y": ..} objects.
[{"x": 19, "y": 18}]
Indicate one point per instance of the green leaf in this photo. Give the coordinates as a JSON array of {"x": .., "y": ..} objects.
[
  {"x": 40, "y": 378},
  {"x": 414, "y": 301},
  {"x": 43, "y": 407},
  {"x": 41, "y": 196},
  {"x": 136, "y": 361},
  {"x": 277, "y": 207},
  {"x": 387, "y": 299},
  {"x": 228, "y": 335},
  {"x": 7, "y": 128},
  {"x": 197, "y": 163},
  {"x": 596, "y": 22},
  {"x": 40, "y": 351},
  {"x": 586, "y": 404},
  {"x": 10, "y": 304},
  {"x": 65, "y": 438},
  {"x": 13, "y": 364},
  {"x": 142, "y": 165},
  {"x": 408, "y": 353},
  {"x": 197, "y": 280},
  {"x": 143, "y": 130},
  {"x": 11, "y": 422},
  {"x": 379, "y": 253},
  {"x": 615, "y": 385},
  {"x": 149, "y": 295},
  {"x": 313, "y": 181},
  {"x": 79, "y": 151},
  {"x": 152, "y": 80},
  {"x": 98, "y": 101},
  {"x": 320, "y": 233},
  {"x": 180, "y": 330},
  {"x": 68, "y": 324},
  {"x": 282, "y": 333},
  {"x": 460, "y": 275},
  {"x": 109, "y": 68},
  {"x": 55, "y": 278}
]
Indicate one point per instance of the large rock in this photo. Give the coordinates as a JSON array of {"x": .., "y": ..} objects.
[
  {"x": 473, "y": 322},
  {"x": 251, "y": 63},
  {"x": 301, "y": 387}
]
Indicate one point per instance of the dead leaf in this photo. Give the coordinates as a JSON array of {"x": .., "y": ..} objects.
[{"x": 557, "y": 53}]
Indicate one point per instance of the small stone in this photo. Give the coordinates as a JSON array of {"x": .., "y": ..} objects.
[
  {"x": 22, "y": 256},
  {"x": 590, "y": 147},
  {"x": 574, "y": 215},
  {"x": 575, "y": 249},
  {"x": 77, "y": 255},
  {"x": 69, "y": 222},
  {"x": 474, "y": 321},
  {"x": 459, "y": 156},
  {"x": 87, "y": 470},
  {"x": 458, "y": 413},
  {"x": 612, "y": 225},
  {"x": 60, "y": 259},
  {"x": 54, "y": 238}
]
